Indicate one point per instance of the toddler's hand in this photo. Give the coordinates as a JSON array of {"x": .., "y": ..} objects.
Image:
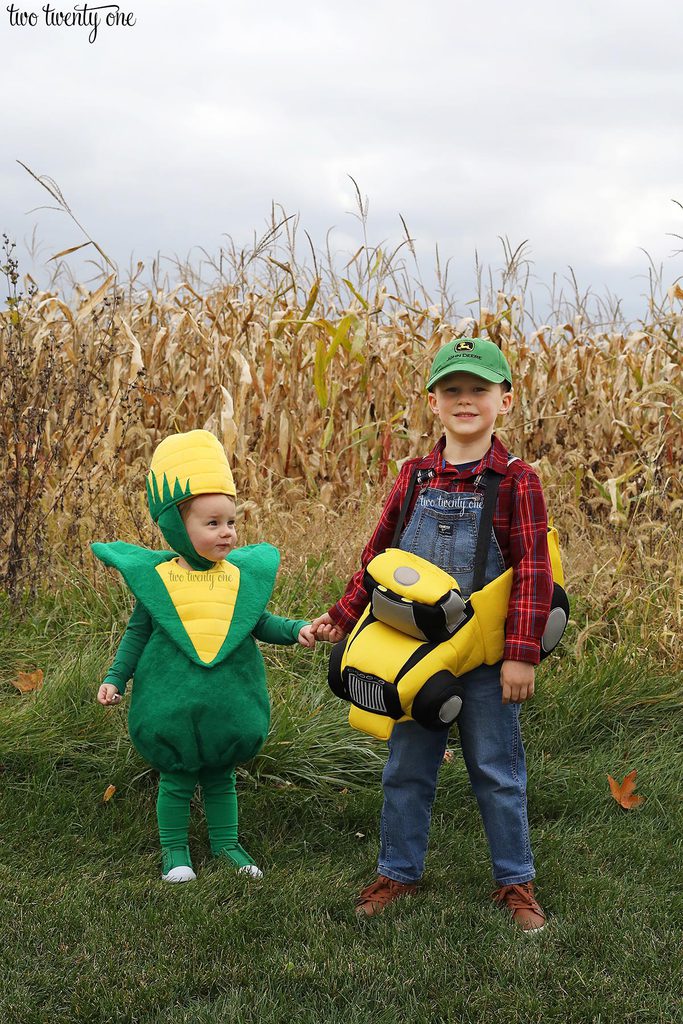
[
  {"x": 325, "y": 629},
  {"x": 306, "y": 636},
  {"x": 517, "y": 681},
  {"x": 109, "y": 694}
]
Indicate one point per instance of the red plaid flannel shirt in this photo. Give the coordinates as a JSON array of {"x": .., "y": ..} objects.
[{"x": 520, "y": 524}]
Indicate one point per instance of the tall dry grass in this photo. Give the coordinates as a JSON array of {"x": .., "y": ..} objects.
[{"x": 314, "y": 380}]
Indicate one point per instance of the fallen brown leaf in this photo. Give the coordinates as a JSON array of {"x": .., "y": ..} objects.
[
  {"x": 623, "y": 793},
  {"x": 108, "y": 794},
  {"x": 27, "y": 682}
]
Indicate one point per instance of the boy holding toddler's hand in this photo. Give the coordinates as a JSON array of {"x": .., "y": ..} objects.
[{"x": 469, "y": 386}]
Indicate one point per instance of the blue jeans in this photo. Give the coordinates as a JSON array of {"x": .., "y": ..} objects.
[{"x": 494, "y": 756}]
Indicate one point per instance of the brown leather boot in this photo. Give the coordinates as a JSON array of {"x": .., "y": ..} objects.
[
  {"x": 380, "y": 893},
  {"x": 520, "y": 901}
]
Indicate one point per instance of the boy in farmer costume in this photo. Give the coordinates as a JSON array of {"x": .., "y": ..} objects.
[
  {"x": 469, "y": 386},
  {"x": 200, "y": 704}
]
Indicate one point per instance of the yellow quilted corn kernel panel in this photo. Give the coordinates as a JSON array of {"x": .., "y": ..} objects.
[{"x": 204, "y": 601}]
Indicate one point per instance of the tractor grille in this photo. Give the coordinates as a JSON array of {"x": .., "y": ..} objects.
[{"x": 366, "y": 692}]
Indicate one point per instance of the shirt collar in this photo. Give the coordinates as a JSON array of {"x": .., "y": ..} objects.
[{"x": 496, "y": 458}]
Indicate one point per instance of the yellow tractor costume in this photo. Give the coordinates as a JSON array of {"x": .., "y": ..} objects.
[{"x": 417, "y": 636}]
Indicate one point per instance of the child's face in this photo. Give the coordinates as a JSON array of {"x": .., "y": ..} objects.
[
  {"x": 210, "y": 523},
  {"x": 468, "y": 406}
]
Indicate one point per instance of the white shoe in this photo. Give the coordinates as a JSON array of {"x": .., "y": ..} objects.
[
  {"x": 240, "y": 859},
  {"x": 181, "y": 874},
  {"x": 176, "y": 865},
  {"x": 251, "y": 870}
]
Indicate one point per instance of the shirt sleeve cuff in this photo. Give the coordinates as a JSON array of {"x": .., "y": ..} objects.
[
  {"x": 522, "y": 648},
  {"x": 297, "y": 626},
  {"x": 114, "y": 680},
  {"x": 342, "y": 618}
]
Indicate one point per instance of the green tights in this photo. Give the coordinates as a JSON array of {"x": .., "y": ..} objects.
[{"x": 220, "y": 806}]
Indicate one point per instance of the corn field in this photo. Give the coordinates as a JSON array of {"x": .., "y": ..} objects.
[{"x": 315, "y": 385}]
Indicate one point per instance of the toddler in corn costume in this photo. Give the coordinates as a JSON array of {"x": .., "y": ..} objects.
[{"x": 200, "y": 703}]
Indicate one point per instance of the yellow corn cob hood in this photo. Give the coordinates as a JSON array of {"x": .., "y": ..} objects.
[{"x": 183, "y": 466}]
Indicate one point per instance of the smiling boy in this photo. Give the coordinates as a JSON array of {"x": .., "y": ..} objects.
[{"x": 469, "y": 387}]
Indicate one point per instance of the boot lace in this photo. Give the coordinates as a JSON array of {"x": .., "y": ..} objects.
[{"x": 517, "y": 897}]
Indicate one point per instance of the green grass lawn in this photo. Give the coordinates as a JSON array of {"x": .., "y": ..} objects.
[{"x": 92, "y": 934}]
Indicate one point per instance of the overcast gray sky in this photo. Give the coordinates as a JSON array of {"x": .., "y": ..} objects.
[{"x": 557, "y": 123}]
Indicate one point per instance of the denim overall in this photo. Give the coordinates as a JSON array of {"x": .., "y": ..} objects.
[{"x": 443, "y": 529}]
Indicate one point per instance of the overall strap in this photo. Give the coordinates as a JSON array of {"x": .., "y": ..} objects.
[
  {"x": 419, "y": 476},
  {"x": 491, "y": 483}
]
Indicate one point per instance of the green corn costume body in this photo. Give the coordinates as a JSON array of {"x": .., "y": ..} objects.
[
  {"x": 200, "y": 702},
  {"x": 186, "y": 714}
]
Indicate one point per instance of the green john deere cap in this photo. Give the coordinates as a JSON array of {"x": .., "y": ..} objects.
[{"x": 470, "y": 355}]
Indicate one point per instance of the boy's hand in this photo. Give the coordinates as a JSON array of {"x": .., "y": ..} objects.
[
  {"x": 324, "y": 629},
  {"x": 307, "y": 636},
  {"x": 109, "y": 694},
  {"x": 517, "y": 681}
]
